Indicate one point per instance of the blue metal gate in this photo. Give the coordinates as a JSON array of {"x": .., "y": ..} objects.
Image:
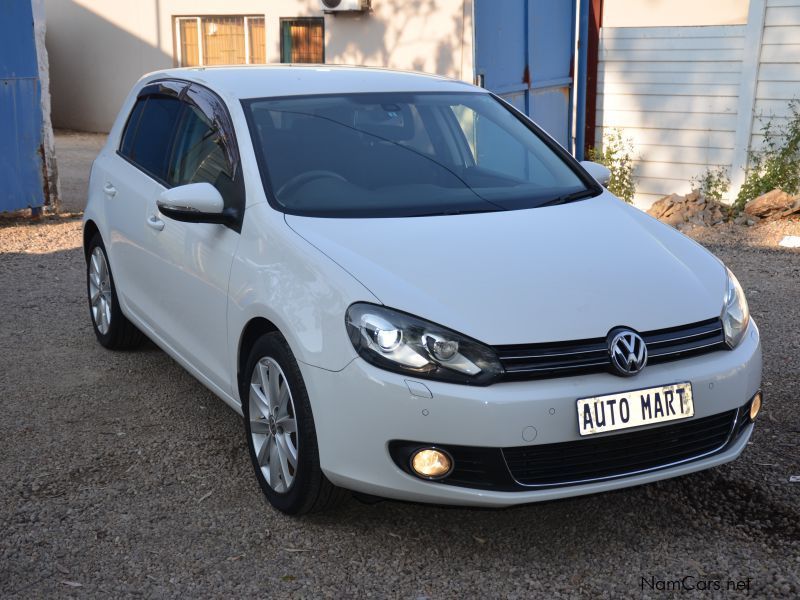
[
  {"x": 21, "y": 151},
  {"x": 524, "y": 53}
]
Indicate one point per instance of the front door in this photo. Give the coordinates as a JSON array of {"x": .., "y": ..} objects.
[{"x": 192, "y": 261}]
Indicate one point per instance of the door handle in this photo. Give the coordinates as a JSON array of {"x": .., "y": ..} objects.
[
  {"x": 109, "y": 190},
  {"x": 156, "y": 223}
]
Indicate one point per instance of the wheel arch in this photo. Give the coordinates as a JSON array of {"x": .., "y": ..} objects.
[
  {"x": 90, "y": 229},
  {"x": 253, "y": 329}
]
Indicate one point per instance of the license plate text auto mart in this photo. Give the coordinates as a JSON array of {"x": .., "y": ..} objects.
[{"x": 635, "y": 408}]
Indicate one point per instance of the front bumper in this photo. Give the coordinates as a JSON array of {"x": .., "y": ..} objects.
[{"x": 359, "y": 410}]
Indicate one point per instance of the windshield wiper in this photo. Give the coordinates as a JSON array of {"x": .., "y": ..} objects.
[
  {"x": 565, "y": 199},
  {"x": 456, "y": 211}
]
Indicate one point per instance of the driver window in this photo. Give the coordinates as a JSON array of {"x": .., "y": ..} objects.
[{"x": 198, "y": 155}]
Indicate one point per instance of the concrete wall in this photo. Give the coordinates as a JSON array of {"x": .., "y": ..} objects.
[
  {"x": 52, "y": 189},
  {"x": 434, "y": 36},
  {"x": 98, "y": 48},
  {"x": 664, "y": 13}
]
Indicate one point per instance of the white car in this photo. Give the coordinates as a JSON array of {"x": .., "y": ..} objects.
[{"x": 409, "y": 290}]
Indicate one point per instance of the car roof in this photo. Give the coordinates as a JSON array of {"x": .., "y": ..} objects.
[{"x": 292, "y": 80}]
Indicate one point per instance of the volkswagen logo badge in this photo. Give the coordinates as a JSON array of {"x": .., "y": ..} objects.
[{"x": 628, "y": 352}]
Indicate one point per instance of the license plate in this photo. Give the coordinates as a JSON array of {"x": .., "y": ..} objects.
[{"x": 635, "y": 408}]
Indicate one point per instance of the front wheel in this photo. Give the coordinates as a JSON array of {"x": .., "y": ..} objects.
[{"x": 280, "y": 430}]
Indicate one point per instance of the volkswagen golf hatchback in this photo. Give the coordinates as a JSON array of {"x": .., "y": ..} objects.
[{"x": 409, "y": 290}]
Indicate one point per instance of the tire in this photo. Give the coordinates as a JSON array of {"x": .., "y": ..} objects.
[
  {"x": 289, "y": 433},
  {"x": 113, "y": 330}
]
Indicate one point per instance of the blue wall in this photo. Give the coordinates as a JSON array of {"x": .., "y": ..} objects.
[{"x": 21, "y": 153}]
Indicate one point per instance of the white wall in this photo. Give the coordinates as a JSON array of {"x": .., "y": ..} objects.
[
  {"x": 665, "y": 13},
  {"x": 674, "y": 91},
  {"x": 99, "y": 48},
  {"x": 434, "y": 37}
]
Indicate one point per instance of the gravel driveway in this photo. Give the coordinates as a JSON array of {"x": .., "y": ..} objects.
[{"x": 123, "y": 476}]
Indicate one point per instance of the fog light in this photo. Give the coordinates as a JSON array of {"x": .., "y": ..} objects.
[
  {"x": 755, "y": 406},
  {"x": 431, "y": 463}
]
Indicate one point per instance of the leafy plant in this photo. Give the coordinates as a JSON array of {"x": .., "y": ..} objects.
[
  {"x": 712, "y": 183},
  {"x": 616, "y": 154},
  {"x": 777, "y": 164}
]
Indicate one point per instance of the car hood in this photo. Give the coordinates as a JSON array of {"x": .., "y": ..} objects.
[{"x": 572, "y": 271}]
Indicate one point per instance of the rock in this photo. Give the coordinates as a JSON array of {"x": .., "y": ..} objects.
[
  {"x": 794, "y": 209},
  {"x": 773, "y": 205},
  {"x": 661, "y": 207},
  {"x": 691, "y": 209}
]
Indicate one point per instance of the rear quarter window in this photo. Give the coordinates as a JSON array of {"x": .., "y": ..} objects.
[{"x": 147, "y": 140}]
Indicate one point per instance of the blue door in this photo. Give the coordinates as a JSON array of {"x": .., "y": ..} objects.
[
  {"x": 21, "y": 151},
  {"x": 524, "y": 53}
]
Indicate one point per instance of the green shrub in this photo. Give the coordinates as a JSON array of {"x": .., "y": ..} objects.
[
  {"x": 713, "y": 183},
  {"x": 777, "y": 164},
  {"x": 616, "y": 154}
]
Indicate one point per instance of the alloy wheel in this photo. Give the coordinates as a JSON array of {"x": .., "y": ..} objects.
[
  {"x": 100, "y": 294},
  {"x": 273, "y": 424}
]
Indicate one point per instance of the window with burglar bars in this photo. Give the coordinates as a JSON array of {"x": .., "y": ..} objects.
[
  {"x": 303, "y": 40},
  {"x": 220, "y": 40}
]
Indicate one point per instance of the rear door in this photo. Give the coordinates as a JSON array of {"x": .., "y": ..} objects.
[{"x": 131, "y": 178}]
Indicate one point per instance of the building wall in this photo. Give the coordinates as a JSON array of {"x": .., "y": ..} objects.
[
  {"x": 673, "y": 91},
  {"x": 665, "y": 13},
  {"x": 434, "y": 37},
  {"x": 696, "y": 97},
  {"x": 99, "y": 49}
]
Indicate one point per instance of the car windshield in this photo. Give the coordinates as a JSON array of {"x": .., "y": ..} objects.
[{"x": 404, "y": 154}]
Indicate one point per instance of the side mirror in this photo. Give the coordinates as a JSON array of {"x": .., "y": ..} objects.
[
  {"x": 193, "y": 203},
  {"x": 598, "y": 171}
]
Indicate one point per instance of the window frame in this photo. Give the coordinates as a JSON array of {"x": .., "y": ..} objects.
[
  {"x": 169, "y": 88},
  {"x": 288, "y": 20},
  {"x": 176, "y": 37},
  {"x": 190, "y": 93}
]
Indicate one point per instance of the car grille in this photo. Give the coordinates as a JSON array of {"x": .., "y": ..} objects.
[
  {"x": 625, "y": 453},
  {"x": 563, "y": 359}
]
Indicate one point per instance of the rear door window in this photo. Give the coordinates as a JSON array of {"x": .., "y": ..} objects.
[{"x": 147, "y": 141}]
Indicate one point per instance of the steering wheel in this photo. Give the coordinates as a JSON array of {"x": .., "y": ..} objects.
[{"x": 303, "y": 178}]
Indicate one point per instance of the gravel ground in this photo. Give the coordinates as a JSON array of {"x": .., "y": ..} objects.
[{"x": 123, "y": 476}]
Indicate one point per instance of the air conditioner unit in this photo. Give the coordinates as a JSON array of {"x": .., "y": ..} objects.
[{"x": 344, "y": 5}]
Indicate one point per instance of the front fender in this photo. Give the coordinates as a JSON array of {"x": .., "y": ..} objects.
[{"x": 278, "y": 276}]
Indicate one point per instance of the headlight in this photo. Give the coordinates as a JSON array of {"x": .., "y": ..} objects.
[
  {"x": 400, "y": 342},
  {"x": 735, "y": 313}
]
